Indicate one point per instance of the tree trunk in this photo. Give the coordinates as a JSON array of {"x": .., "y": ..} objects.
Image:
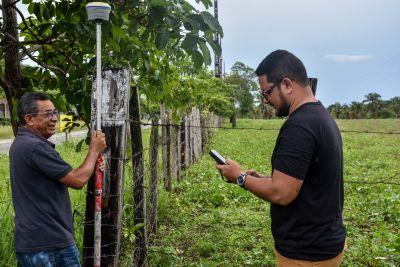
[
  {"x": 11, "y": 82},
  {"x": 234, "y": 120}
]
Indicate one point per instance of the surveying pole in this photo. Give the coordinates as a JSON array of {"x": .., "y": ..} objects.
[
  {"x": 98, "y": 12},
  {"x": 217, "y": 40}
]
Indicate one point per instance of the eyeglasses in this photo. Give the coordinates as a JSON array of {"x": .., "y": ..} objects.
[
  {"x": 47, "y": 114},
  {"x": 267, "y": 92}
]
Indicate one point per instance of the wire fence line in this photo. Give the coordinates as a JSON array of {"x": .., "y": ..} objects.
[{"x": 251, "y": 128}]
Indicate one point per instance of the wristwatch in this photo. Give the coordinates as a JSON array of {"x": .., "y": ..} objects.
[{"x": 241, "y": 179}]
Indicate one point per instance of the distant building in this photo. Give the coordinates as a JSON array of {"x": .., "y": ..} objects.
[{"x": 4, "y": 111}]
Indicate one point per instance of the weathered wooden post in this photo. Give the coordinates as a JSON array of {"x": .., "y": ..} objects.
[
  {"x": 153, "y": 160},
  {"x": 174, "y": 151},
  {"x": 188, "y": 150},
  {"x": 166, "y": 153},
  {"x": 182, "y": 145},
  {"x": 114, "y": 111},
  {"x": 204, "y": 130},
  {"x": 139, "y": 194}
]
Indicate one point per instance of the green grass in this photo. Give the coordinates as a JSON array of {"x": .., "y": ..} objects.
[{"x": 207, "y": 222}]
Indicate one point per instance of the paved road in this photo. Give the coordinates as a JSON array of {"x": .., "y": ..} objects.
[{"x": 57, "y": 138}]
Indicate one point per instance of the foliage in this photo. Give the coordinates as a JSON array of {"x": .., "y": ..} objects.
[
  {"x": 242, "y": 77},
  {"x": 147, "y": 37},
  {"x": 372, "y": 107}
]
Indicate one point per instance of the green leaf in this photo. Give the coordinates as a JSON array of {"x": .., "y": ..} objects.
[
  {"x": 194, "y": 19},
  {"x": 162, "y": 38},
  {"x": 37, "y": 11},
  {"x": 158, "y": 3},
  {"x": 197, "y": 59},
  {"x": 216, "y": 48},
  {"x": 78, "y": 147},
  {"x": 211, "y": 21},
  {"x": 46, "y": 13},
  {"x": 30, "y": 8},
  {"x": 26, "y": 2},
  {"x": 43, "y": 28},
  {"x": 190, "y": 42},
  {"x": 206, "y": 52}
]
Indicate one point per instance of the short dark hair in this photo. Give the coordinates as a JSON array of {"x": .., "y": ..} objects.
[
  {"x": 27, "y": 104},
  {"x": 283, "y": 64}
]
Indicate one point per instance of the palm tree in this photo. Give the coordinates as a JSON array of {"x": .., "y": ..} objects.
[
  {"x": 356, "y": 110},
  {"x": 374, "y": 104}
]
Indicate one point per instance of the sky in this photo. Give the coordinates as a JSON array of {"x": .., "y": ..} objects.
[{"x": 351, "y": 46}]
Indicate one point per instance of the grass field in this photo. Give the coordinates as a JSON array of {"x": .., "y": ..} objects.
[{"x": 207, "y": 222}]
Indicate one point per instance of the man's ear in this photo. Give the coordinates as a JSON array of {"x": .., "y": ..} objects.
[
  {"x": 28, "y": 119},
  {"x": 288, "y": 85}
]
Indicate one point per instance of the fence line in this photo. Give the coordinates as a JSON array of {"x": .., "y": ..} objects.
[{"x": 251, "y": 128}]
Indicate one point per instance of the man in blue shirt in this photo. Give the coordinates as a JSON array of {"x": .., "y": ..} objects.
[{"x": 44, "y": 230}]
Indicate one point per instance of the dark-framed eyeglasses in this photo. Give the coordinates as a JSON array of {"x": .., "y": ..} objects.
[
  {"x": 267, "y": 92},
  {"x": 47, "y": 114}
]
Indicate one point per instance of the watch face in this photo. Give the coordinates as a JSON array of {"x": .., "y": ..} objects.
[{"x": 241, "y": 179}]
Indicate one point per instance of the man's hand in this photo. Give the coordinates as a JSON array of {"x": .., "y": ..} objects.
[
  {"x": 254, "y": 173},
  {"x": 231, "y": 171},
  {"x": 78, "y": 178},
  {"x": 97, "y": 143}
]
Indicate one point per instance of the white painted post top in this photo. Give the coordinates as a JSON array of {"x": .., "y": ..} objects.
[{"x": 98, "y": 11}]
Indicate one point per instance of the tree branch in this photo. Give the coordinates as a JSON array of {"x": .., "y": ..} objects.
[
  {"x": 27, "y": 52},
  {"x": 5, "y": 84}
]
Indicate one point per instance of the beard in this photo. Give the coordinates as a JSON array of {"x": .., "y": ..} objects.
[{"x": 283, "y": 110}]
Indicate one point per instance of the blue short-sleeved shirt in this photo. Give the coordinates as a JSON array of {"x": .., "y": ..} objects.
[{"x": 43, "y": 218}]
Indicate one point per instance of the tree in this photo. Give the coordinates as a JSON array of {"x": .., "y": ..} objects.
[
  {"x": 143, "y": 36},
  {"x": 394, "y": 104},
  {"x": 356, "y": 110},
  {"x": 335, "y": 110},
  {"x": 10, "y": 81},
  {"x": 374, "y": 104},
  {"x": 245, "y": 87}
]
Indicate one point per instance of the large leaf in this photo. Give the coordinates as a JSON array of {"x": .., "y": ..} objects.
[
  {"x": 37, "y": 11},
  {"x": 211, "y": 21},
  {"x": 162, "y": 38},
  {"x": 190, "y": 42},
  {"x": 158, "y": 3},
  {"x": 197, "y": 59},
  {"x": 43, "y": 28},
  {"x": 206, "y": 52}
]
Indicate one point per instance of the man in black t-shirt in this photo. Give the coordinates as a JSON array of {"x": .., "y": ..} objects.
[
  {"x": 44, "y": 230},
  {"x": 306, "y": 185}
]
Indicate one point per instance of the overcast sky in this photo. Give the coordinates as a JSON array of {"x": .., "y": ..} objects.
[{"x": 351, "y": 46}]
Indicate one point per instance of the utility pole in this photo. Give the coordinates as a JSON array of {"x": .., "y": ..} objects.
[{"x": 217, "y": 40}]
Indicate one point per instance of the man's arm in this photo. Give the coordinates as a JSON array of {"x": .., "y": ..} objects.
[
  {"x": 79, "y": 177},
  {"x": 279, "y": 189}
]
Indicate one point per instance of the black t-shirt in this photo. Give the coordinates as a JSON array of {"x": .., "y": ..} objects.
[
  {"x": 43, "y": 219},
  {"x": 309, "y": 148}
]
